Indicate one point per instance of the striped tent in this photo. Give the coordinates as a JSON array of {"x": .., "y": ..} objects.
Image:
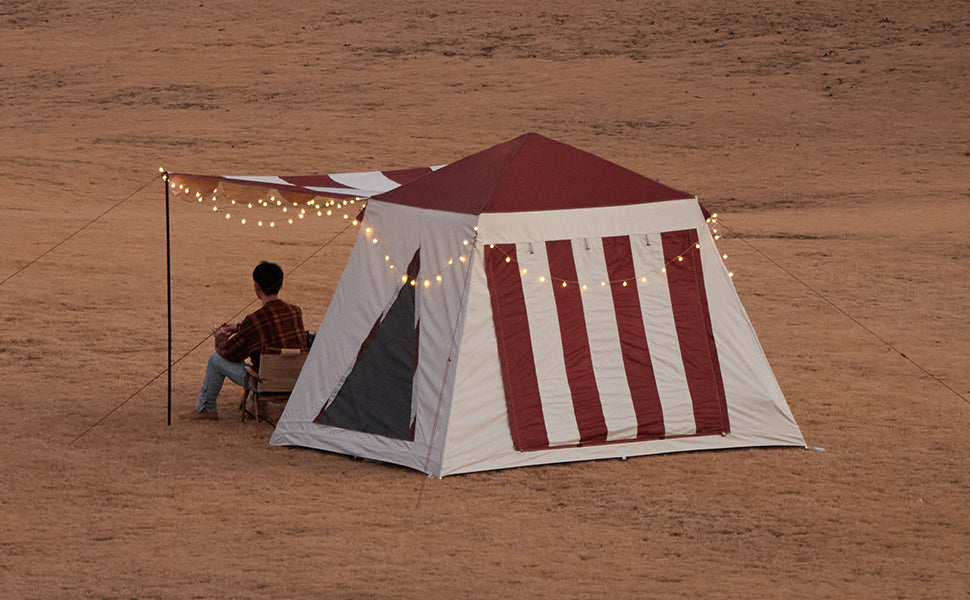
[{"x": 529, "y": 304}]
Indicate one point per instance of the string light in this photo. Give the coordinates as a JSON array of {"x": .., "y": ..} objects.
[{"x": 326, "y": 207}]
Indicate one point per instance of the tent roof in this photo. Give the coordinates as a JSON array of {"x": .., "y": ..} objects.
[{"x": 529, "y": 173}]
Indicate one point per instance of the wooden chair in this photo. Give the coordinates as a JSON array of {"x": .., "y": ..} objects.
[{"x": 278, "y": 371}]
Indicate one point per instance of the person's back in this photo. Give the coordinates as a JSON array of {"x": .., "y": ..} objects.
[{"x": 277, "y": 324}]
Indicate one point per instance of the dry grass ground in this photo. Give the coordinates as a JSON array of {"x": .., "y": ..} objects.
[{"x": 833, "y": 137}]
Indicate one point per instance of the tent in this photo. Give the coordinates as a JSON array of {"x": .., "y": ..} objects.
[{"x": 530, "y": 304}]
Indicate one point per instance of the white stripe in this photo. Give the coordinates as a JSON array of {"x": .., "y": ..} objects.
[
  {"x": 272, "y": 179},
  {"x": 372, "y": 182},
  {"x": 540, "y": 302},
  {"x": 661, "y": 330},
  {"x": 604, "y": 340},
  {"x": 283, "y": 184}
]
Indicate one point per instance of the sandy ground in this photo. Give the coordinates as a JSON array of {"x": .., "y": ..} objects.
[{"x": 833, "y": 137}]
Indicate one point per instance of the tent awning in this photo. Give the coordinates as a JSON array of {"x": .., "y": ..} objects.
[{"x": 340, "y": 185}]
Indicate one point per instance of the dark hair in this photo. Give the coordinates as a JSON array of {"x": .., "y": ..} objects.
[{"x": 269, "y": 277}]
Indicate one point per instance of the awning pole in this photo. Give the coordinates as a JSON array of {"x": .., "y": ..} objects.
[{"x": 168, "y": 279}]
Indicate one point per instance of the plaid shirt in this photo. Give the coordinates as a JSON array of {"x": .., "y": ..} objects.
[{"x": 275, "y": 325}]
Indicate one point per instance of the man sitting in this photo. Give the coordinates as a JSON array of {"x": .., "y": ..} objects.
[{"x": 276, "y": 324}]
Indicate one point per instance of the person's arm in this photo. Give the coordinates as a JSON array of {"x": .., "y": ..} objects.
[{"x": 232, "y": 342}]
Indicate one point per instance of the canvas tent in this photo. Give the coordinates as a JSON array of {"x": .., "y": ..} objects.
[{"x": 529, "y": 304}]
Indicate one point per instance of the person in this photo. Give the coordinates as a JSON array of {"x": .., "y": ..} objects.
[{"x": 276, "y": 324}]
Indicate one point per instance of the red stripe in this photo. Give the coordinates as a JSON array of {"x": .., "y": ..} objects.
[
  {"x": 515, "y": 348},
  {"x": 692, "y": 317},
  {"x": 575, "y": 342},
  {"x": 633, "y": 337}
]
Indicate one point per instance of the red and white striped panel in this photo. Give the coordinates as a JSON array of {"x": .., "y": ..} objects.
[
  {"x": 341, "y": 185},
  {"x": 598, "y": 344}
]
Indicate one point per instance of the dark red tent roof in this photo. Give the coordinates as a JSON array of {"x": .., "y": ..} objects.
[{"x": 530, "y": 173}]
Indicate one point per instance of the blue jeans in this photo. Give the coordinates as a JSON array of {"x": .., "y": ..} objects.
[{"x": 215, "y": 374}]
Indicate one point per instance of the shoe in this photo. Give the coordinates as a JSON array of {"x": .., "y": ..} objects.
[{"x": 205, "y": 416}]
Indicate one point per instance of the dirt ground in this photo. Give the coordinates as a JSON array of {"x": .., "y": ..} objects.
[{"x": 833, "y": 138}]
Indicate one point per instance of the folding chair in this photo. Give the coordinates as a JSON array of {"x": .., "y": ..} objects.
[{"x": 278, "y": 371}]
